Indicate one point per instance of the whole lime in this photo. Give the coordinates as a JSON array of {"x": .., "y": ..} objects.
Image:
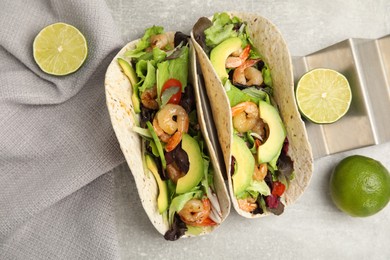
[{"x": 360, "y": 186}]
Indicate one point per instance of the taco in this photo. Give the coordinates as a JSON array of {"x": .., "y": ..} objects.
[
  {"x": 249, "y": 81},
  {"x": 153, "y": 101}
]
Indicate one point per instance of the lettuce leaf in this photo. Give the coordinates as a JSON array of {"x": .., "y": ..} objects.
[
  {"x": 260, "y": 187},
  {"x": 175, "y": 68},
  {"x": 254, "y": 189},
  {"x": 221, "y": 29},
  {"x": 253, "y": 94},
  {"x": 257, "y": 94},
  {"x": 144, "y": 42},
  {"x": 236, "y": 96},
  {"x": 266, "y": 72},
  {"x": 158, "y": 55},
  {"x": 146, "y": 72}
]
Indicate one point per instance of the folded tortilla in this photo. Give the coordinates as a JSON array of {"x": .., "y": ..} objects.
[
  {"x": 118, "y": 98},
  {"x": 269, "y": 42}
]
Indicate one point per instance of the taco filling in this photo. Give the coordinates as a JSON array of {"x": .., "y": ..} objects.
[
  {"x": 173, "y": 146},
  {"x": 260, "y": 166}
]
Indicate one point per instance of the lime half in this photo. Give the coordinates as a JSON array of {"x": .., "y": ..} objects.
[
  {"x": 60, "y": 49},
  {"x": 323, "y": 95}
]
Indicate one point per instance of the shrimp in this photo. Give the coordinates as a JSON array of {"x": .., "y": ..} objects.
[
  {"x": 160, "y": 133},
  {"x": 254, "y": 76},
  {"x": 173, "y": 120},
  {"x": 260, "y": 129},
  {"x": 260, "y": 172},
  {"x": 236, "y": 60},
  {"x": 148, "y": 98},
  {"x": 166, "y": 120},
  {"x": 195, "y": 211},
  {"x": 242, "y": 75},
  {"x": 247, "y": 204},
  {"x": 245, "y": 116},
  {"x": 174, "y": 172},
  {"x": 174, "y": 141},
  {"x": 162, "y": 40}
]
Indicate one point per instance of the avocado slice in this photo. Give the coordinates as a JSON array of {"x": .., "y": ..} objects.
[
  {"x": 130, "y": 73},
  {"x": 162, "y": 199},
  {"x": 245, "y": 165},
  {"x": 195, "y": 172},
  {"x": 277, "y": 133},
  {"x": 221, "y": 52}
]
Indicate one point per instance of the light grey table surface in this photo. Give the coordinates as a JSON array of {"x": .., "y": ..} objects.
[{"x": 310, "y": 229}]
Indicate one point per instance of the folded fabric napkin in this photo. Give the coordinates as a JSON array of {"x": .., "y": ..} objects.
[{"x": 56, "y": 138}]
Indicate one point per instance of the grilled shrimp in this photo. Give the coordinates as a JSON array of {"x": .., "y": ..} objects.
[
  {"x": 163, "y": 40},
  {"x": 253, "y": 76},
  {"x": 260, "y": 129},
  {"x": 247, "y": 75},
  {"x": 195, "y": 211},
  {"x": 260, "y": 172},
  {"x": 160, "y": 133},
  {"x": 245, "y": 116},
  {"x": 172, "y": 120},
  {"x": 247, "y": 204},
  {"x": 237, "y": 59},
  {"x": 148, "y": 98}
]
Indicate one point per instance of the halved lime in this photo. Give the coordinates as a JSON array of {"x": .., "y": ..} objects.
[
  {"x": 60, "y": 49},
  {"x": 323, "y": 95}
]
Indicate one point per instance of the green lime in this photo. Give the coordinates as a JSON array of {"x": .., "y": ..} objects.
[
  {"x": 323, "y": 95},
  {"x": 60, "y": 49},
  {"x": 360, "y": 186}
]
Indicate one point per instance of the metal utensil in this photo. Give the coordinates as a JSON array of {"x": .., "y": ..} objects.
[{"x": 366, "y": 64}]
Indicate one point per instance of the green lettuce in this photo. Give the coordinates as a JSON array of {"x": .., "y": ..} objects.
[
  {"x": 175, "y": 68},
  {"x": 252, "y": 94},
  {"x": 254, "y": 189},
  {"x": 221, "y": 29},
  {"x": 158, "y": 55},
  {"x": 257, "y": 94},
  {"x": 236, "y": 96},
  {"x": 146, "y": 72},
  {"x": 266, "y": 72},
  {"x": 144, "y": 42}
]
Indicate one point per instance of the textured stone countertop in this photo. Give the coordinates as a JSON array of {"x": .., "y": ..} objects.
[{"x": 310, "y": 229}]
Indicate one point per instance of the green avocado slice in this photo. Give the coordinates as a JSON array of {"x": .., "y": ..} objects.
[
  {"x": 162, "y": 198},
  {"x": 195, "y": 172},
  {"x": 220, "y": 53},
  {"x": 245, "y": 165},
  {"x": 277, "y": 133},
  {"x": 130, "y": 73}
]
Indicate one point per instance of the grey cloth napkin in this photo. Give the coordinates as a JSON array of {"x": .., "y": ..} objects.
[{"x": 56, "y": 140}]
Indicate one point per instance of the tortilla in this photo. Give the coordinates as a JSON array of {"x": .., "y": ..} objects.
[
  {"x": 270, "y": 44},
  {"x": 123, "y": 118}
]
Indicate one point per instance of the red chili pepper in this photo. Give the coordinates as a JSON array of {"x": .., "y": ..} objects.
[
  {"x": 175, "y": 99},
  {"x": 278, "y": 188}
]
